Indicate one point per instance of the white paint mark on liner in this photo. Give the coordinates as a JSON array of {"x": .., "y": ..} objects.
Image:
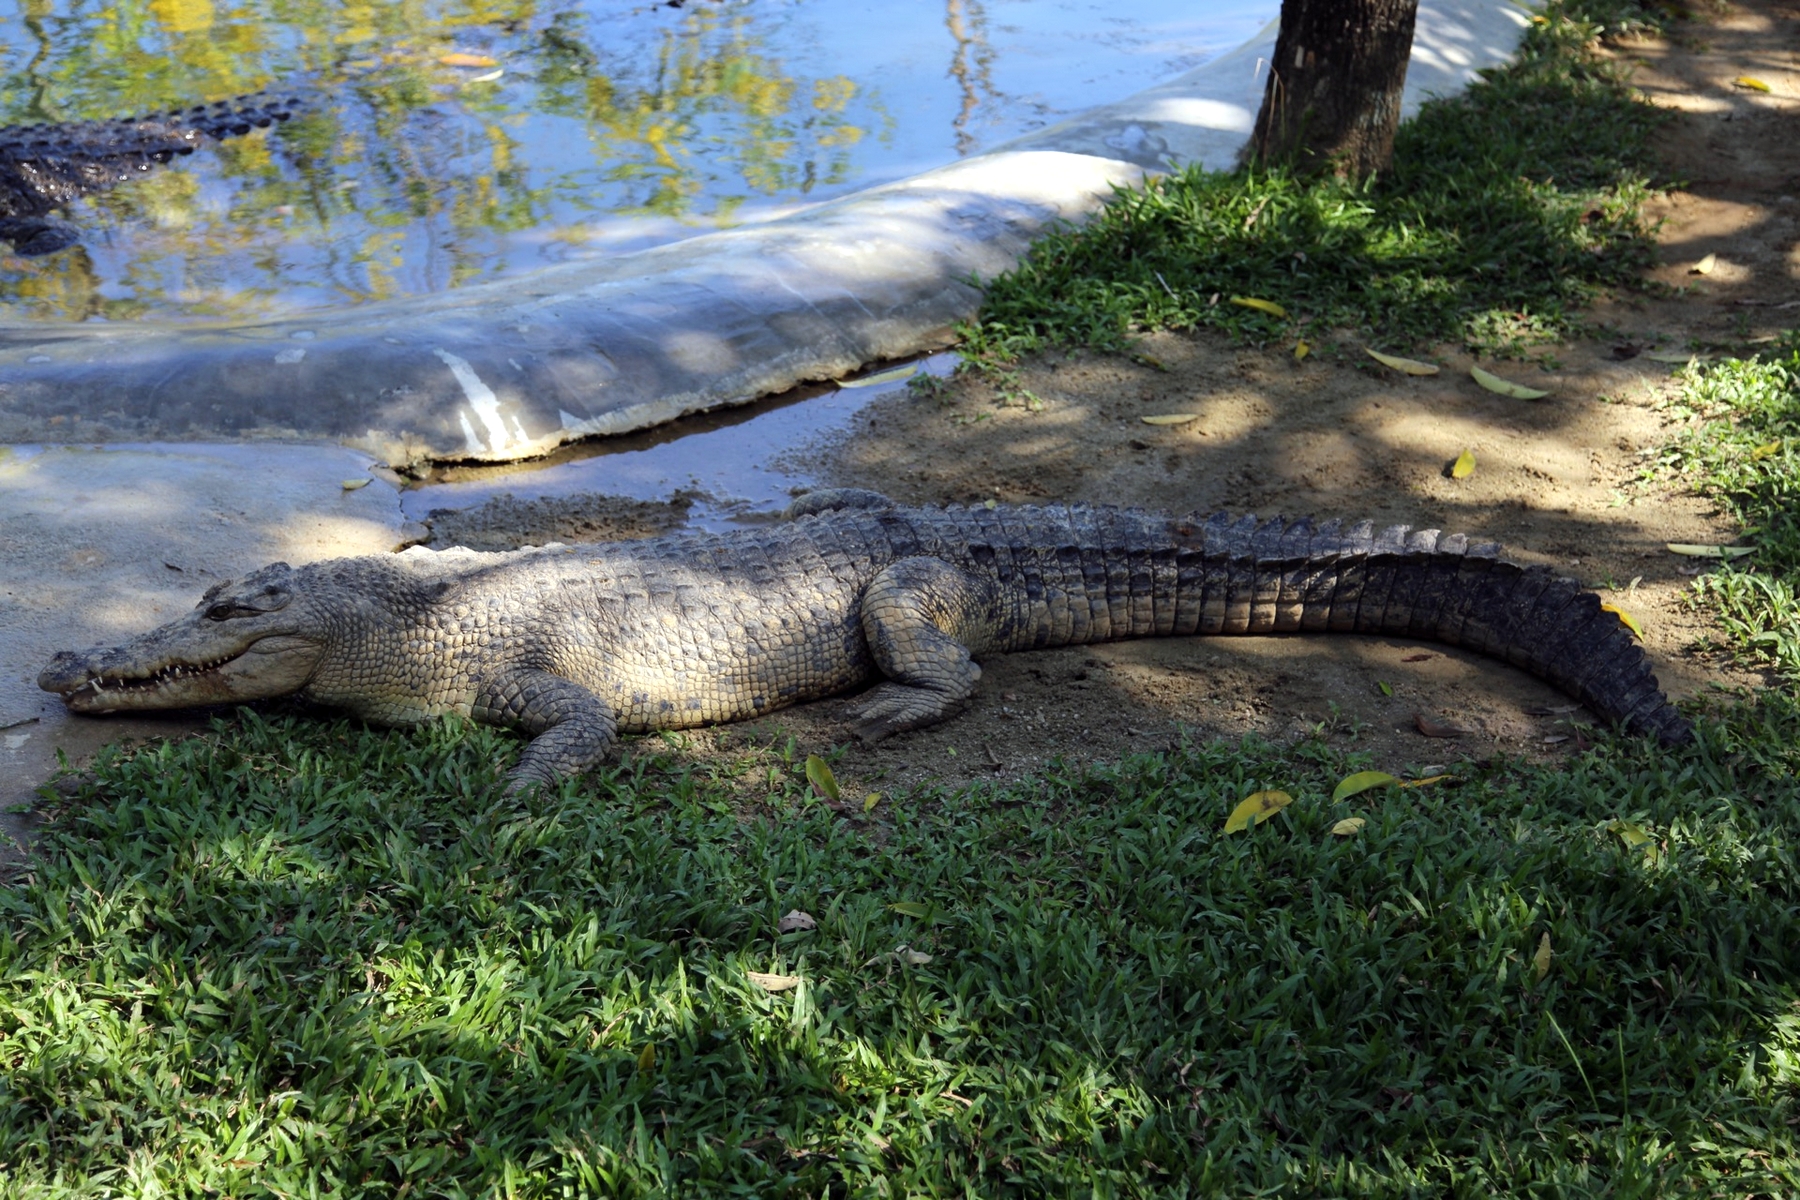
[
  {"x": 482, "y": 400},
  {"x": 474, "y": 443}
]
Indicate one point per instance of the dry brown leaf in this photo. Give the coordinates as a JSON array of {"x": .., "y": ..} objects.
[
  {"x": 1418, "y": 657},
  {"x": 1432, "y": 729}
]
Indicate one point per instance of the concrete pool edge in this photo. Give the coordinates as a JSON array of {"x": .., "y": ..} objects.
[{"x": 512, "y": 369}]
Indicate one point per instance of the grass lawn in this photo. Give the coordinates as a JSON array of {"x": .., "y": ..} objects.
[{"x": 299, "y": 957}]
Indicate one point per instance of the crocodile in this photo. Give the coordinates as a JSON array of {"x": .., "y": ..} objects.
[
  {"x": 573, "y": 644},
  {"x": 43, "y": 167}
]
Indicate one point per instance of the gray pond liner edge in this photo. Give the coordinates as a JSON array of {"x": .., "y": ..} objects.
[{"x": 513, "y": 368}]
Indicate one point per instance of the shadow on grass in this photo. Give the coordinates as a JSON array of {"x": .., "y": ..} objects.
[{"x": 295, "y": 955}]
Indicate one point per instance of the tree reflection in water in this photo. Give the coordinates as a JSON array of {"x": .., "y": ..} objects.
[{"x": 504, "y": 137}]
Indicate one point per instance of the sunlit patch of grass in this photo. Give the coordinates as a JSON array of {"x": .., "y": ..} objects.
[
  {"x": 1505, "y": 209},
  {"x": 293, "y": 957}
]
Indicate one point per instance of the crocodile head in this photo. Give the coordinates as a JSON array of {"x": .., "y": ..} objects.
[{"x": 245, "y": 641}]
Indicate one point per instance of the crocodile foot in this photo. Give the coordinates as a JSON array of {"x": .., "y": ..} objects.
[{"x": 891, "y": 708}]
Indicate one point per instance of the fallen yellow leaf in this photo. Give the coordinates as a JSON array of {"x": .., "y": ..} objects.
[
  {"x": 773, "y": 983},
  {"x": 1169, "y": 418},
  {"x": 1695, "y": 551},
  {"x": 1505, "y": 387},
  {"x": 1408, "y": 366},
  {"x": 1268, "y": 306},
  {"x": 870, "y": 801},
  {"x": 1425, "y": 782},
  {"x": 1704, "y": 266},
  {"x": 1301, "y": 349},
  {"x": 818, "y": 773},
  {"x": 1360, "y": 782},
  {"x": 1348, "y": 826},
  {"x": 1630, "y": 832},
  {"x": 1629, "y": 621},
  {"x": 1766, "y": 451},
  {"x": 1542, "y": 958},
  {"x": 1751, "y": 82},
  {"x": 1255, "y": 808},
  {"x": 647, "y": 1058},
  {"x": 1464, "y": 466},
  {"x": 460, "y": 59},
  {"x": 889, "y": 376},
  {"x": 351, "y": 485}
]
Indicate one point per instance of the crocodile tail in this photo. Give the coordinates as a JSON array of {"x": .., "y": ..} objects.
[
  {"x": 237, "y": 116},
  {"x": 1276, "y": 576},
  {"x": 97, "y": 154}
]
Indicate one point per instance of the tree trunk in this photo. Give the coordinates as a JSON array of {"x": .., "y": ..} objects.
[{"x": 1333, "y": 97}]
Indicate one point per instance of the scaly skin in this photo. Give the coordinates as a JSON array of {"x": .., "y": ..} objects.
[
  {"x": 572, "y": 644},
  {"x": 43, "y": 167}
]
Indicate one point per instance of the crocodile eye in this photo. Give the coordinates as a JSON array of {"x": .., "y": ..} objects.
[{"x": 221, "y": 612}]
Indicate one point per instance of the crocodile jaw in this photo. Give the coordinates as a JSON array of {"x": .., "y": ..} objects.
[{"x": 140, "y": 676}]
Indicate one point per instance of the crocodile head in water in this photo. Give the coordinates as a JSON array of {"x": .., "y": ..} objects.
[{"x": 247, "y": 641}]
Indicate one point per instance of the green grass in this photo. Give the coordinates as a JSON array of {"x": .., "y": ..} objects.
[
  {"x": 1504, "y": 210},
  {"x": 1743, "y": 448},
  {"x": 297, "y": 957}
]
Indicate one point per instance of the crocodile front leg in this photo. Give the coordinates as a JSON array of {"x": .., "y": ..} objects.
[
  {"x": 32, "y": 237},
  {"x": 923, "y": 619},
  {"x": 572, "y": 729}
]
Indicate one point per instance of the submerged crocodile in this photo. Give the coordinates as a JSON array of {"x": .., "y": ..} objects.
[
  {"x": 573, "y": 644},
  {"x": 43, "y": 167}
]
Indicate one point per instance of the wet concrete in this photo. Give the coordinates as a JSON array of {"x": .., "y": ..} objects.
[
  {"x": 102, "y": 543},
  {"x": 513, "y": 369}
]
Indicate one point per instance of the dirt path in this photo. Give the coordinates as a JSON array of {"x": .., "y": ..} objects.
[{"x": 1557, "y": 480}]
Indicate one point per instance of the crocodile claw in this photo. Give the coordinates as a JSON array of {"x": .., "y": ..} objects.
[{"x": 896, "y": 707}]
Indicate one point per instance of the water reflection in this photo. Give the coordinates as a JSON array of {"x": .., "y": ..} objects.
[{"x": 449, "y": 141}]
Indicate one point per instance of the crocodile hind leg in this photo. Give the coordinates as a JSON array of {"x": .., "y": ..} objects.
[
  {"x": 923, "y": 620},
  {"x": 573, "y": 729}
]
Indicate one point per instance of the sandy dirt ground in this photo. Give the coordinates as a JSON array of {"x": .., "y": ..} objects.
[{"x": 1560, "y": 481}]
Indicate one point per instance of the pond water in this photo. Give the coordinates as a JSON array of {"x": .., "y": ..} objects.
[{"x": 447, "y": 142}]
